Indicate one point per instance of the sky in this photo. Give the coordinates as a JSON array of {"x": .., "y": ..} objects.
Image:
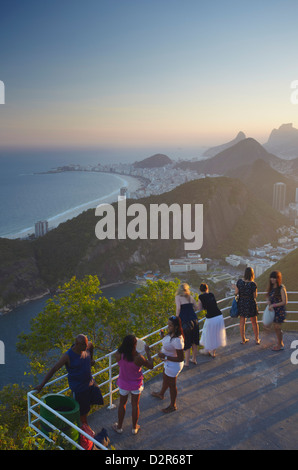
[{"x": 137, "y": 73}]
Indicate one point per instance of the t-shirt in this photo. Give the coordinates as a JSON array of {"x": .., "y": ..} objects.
[{"x": 169, "y": 345}]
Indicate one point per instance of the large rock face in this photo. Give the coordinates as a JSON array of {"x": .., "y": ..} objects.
[{"x": 283, "y": 141}]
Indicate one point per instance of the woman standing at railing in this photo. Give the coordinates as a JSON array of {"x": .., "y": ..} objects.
[
  {"x": 246, "y": 288},
  {"x": 214, "y": 332},
  {"x": 130, "y": 379},
  {"x": 173, "y": 355},
  {"x": 277, "y": 300},
  {"x": 185, "y": 309}
]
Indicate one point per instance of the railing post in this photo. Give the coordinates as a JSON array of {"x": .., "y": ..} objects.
[{"x": 111, "y": 405}]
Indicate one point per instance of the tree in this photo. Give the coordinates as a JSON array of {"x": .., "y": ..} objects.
[{"x": 80, "y": 308}]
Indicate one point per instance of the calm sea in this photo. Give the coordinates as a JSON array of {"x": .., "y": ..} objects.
[{"x": 27, "y": 196}]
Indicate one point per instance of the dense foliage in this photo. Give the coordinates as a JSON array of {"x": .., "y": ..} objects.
[{"x": 80, "y": 308}]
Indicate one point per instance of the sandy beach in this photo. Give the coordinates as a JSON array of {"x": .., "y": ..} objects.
[{"x": 130, "y": 182}]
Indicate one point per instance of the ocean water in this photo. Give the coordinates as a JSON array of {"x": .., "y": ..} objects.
[{"x": 26, "y": 196}]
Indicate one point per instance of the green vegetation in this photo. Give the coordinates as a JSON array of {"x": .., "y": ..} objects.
[{"x": 80, "y": 308}]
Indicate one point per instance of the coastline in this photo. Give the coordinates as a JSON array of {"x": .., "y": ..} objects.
[{"x": 131, "y": 182}]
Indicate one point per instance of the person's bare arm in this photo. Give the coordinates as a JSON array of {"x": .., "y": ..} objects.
[{"x": 62, "y": 362}]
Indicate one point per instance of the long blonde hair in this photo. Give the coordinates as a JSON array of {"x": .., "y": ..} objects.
[{"x": 183, "y": 290}]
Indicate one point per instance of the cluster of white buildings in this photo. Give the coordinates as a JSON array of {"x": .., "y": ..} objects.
[
  {"x": 156, "y": 180},
  {"x": 262, "y": 258}
]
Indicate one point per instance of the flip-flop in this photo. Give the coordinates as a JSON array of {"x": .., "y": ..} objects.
[
  {"x": 276, "y": 348},
  {"x": 135, "y": 431},
  {"x": 118, "y": 430},
  {"x": 244, "y": 342},
  {"x": 169, "y": 409},
  {"x": 157, "y": 395}
]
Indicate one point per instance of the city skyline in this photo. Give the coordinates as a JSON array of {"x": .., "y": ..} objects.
[{"x": 139, "y": 73}]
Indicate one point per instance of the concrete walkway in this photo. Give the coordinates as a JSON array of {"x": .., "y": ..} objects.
[{"x": 245, "y": 398}]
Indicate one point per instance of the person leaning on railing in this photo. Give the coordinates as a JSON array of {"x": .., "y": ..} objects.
[{"x": 78, "y": 361}]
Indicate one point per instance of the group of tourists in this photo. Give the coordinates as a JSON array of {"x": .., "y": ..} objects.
[{"x": 182, "y": 338}]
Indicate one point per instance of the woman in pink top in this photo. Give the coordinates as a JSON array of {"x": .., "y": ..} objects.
[{"x": 130, "y": 379}]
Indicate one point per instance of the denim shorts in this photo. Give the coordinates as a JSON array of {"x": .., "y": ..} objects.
[{"x": 133, "y": 392}]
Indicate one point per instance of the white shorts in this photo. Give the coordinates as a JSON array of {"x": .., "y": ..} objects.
[
  {"x": 173, "y": 369},
  {"x": 133, "y": 392}
]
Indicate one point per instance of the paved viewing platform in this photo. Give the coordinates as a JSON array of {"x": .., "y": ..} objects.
[{"x": 245, "y": 398}]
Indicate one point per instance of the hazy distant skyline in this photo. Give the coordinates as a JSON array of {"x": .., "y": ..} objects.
[{"x": 126, "y": 73}]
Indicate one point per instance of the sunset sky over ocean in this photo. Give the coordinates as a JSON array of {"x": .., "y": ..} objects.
[{"x": 141, "y": 72}]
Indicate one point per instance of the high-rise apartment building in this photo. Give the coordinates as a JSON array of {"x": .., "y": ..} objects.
[
  {"x": 279, "y": 196},
  {"x": 41, "y": 228}
]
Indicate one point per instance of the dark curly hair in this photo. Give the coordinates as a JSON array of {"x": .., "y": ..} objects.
[{"x": 128, "y": 347}]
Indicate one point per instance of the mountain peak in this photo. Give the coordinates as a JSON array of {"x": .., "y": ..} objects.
[
  {"x": 212, "y": 151},
  {"x": 284, "y": 141}
]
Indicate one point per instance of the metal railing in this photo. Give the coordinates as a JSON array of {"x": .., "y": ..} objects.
[{"x": 31, "y": 397}]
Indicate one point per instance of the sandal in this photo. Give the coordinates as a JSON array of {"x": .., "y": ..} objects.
[
  {"x": 118, "y": 430},
  {"x": 245, "y": 341},
  {"x": 277, "y": 348},
  {"x": 169, "y": 409},
  {"x": 157, "y": 395},
  {"x": 136, "y": 430}
]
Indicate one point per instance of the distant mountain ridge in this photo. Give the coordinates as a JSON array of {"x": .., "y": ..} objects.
[
  {"x": 240, "y": 154},
  {"x": 212, "y": 151}
]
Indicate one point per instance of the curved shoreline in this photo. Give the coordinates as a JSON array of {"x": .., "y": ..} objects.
[{"x": 131, "y": 182}]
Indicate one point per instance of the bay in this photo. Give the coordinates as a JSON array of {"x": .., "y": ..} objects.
[{"x": 18, "y": 321}]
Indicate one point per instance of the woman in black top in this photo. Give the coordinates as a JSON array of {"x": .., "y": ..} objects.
[
  {"x": 214, "y": 333},
  {"x": 246, "y": 288}
]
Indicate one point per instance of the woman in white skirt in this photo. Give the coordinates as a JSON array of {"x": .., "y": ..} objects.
[{"x": 214, "y": 332}]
